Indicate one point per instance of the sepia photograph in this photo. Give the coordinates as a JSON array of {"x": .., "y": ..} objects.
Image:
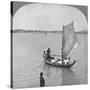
[{"x": 49, "y": 44}]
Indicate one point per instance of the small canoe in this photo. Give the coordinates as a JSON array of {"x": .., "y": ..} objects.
[{"x": 60, "y": 65}]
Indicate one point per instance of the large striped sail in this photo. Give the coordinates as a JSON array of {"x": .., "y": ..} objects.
[{"x": 69, "y": 39}]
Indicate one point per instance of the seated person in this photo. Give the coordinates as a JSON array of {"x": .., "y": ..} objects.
[
  {"x": 60, "y": 62},
  {"x": 53, "y": 60},
  {"x": 69, "y": 59},
  {"x": 66, "y": 61}
]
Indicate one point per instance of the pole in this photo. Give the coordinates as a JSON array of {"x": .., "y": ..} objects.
[{"x": 62, "y": 43}]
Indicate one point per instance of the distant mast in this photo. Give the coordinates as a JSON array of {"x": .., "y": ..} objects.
[{"x": 69, "y": 40}]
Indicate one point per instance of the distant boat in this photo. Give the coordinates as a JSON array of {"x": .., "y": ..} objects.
[{"x": 69, "y": 43}]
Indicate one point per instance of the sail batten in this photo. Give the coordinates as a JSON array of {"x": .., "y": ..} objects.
[{"x": 69, "y": 39}]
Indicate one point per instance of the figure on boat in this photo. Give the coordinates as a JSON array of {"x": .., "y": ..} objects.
[
  {"x": 66, "y": 60},
  {"x": 47, "y": 54}
]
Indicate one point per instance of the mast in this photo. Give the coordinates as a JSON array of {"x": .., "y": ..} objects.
[{"x": 62, "y": 43}]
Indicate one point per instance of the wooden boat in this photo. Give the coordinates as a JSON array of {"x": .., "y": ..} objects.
[
  {"x": 69, "y": 43},
  {"x": 61, "y": 65}
]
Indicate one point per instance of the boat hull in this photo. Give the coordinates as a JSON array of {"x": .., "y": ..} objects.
[{"x": 60, "y": 65}]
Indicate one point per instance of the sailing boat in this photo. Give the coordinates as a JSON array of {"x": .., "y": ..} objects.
[{"x": 69, "y": 43}]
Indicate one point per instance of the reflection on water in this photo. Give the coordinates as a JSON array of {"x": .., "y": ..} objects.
[
  {"x": 53, "y": 75},
  {"x": 69, "y": 77},
  {"x": 46, "y": 69},
  {"x": 51, "y": 69}
]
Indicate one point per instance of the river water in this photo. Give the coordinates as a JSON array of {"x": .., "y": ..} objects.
[{"x": 28, "y": 62}]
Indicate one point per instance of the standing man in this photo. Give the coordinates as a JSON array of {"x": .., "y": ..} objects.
[
  {"x": 48, "y": 54},
  {"x": 42, "y": 81}
]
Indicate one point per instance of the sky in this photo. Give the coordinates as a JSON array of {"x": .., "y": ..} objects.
[{"x": 48, "y": 17}]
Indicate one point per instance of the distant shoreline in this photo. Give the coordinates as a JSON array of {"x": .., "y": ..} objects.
[{"x": 31, "y": 31}]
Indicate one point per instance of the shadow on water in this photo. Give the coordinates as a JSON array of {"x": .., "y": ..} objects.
[
  {"x": 69, "y": 77},
  {"x": 53, "y": 75},
  {"x": 46, "y": 68},
  {"x": 51, "y": 70}
]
